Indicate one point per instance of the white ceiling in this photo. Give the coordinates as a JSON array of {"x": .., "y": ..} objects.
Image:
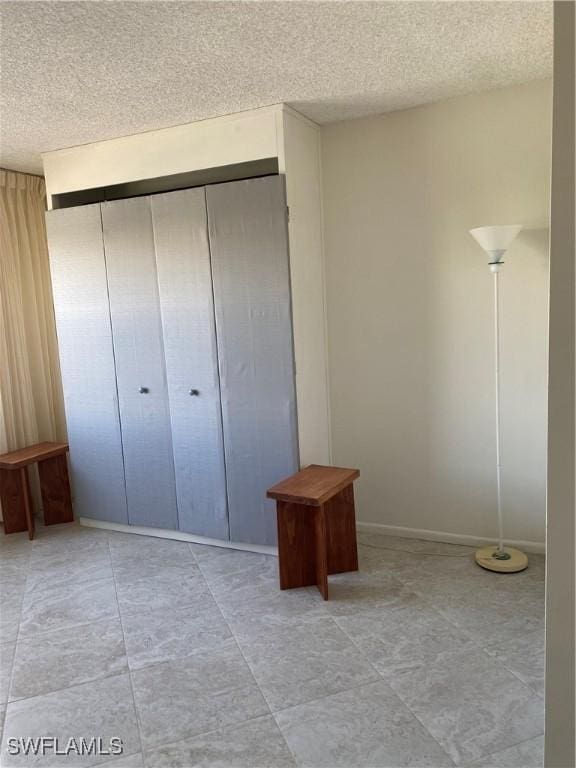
[{"x": 76, "y": 72}]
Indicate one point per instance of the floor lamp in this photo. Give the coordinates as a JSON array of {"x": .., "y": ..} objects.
[{"x": 495, "y": 241}]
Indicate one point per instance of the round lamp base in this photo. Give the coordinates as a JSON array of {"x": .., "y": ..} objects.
[{"x": 509, "y": 561}]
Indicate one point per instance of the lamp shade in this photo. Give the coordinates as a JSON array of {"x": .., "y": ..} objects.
[{"x": 496, "y": 239}]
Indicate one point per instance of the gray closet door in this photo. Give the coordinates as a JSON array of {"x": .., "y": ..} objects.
[
  {"x": 139, "y": 353},
  {"x": 87, "y": 362},
  {"x": 187, "y": 307},
  {"x": 249, "y": 249}
]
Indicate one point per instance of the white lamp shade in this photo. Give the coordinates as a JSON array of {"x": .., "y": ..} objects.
[{"x": 495, "y": 239}]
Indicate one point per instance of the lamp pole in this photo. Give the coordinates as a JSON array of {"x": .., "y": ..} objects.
[
  {"x": 495, "y": 267},
  {"x": 494, "y": 240}
]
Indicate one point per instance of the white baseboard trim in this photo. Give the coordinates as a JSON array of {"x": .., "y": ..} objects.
[
  {"x": 450, "y": 538},
  {"x": 389, "y": 530},
  {"x": 163, "y": 533}
]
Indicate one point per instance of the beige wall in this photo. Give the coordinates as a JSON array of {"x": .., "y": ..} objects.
[{"x": 410, "y": 309}]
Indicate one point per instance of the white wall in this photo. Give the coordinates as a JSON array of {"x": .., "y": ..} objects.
[
  {"x": 299, "y": 158},
  {"x": 410, "y": 310},
  {"x": 237, "y": 138}
]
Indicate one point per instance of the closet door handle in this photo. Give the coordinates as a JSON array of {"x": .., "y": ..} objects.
[
  {"x": 143, "y": 390},
  {"x": 194, "y": 392}
]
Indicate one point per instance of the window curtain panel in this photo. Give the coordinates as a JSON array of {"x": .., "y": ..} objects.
[{"x": 31, "y": 405}]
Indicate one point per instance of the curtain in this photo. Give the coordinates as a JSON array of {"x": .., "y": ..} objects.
[{"x": 31, "y": 406}]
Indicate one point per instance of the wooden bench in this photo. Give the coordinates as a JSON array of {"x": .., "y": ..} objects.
[
  {"x": 54, "y": 486},
  {"x": 316, "y": 526}
]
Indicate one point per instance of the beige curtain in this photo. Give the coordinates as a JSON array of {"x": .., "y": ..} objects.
[{"x": 31, "y": 407}]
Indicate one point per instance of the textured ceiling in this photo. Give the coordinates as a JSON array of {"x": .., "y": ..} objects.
[{"x": 76, "y": 72}]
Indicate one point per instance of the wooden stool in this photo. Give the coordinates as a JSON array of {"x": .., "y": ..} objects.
[
  {"x": 54, "y": 486},
  {"x": 316, "y": 526}
]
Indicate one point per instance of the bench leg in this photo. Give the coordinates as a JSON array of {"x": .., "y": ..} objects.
[
  {"x": 296, "y": 545},
  {"x": 321, "y": 551},
  {"x": 55, "y": 488},
  {"x": 341, "y": 532},
  {"x": 27, "y": 501},
  {"x": 302, "y": 550},
  {"x": 13, "y": 500}
]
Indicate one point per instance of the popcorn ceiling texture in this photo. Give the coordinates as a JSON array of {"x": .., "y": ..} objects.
[{"x": 77, "y": 72}]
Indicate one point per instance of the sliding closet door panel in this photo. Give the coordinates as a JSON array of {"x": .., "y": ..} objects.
[
  {"x": 138, "y": 348},
  {"x": 87, "y": 362},
  {"x": 187, "y": 308},
  {"x": 249, "y": 248}
]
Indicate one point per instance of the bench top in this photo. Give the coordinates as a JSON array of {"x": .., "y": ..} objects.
[
  {"x": 31, "y": 454},
  {"x": 313, "y": 485}
]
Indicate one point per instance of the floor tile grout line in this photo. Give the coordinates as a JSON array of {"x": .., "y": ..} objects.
[
  {"x": 188, "y": 657},
  {"x": 235, "y": 639},
  {"x": 201, "y": 649},
  {"x": 322, "y": 698},
  {"x": 232, "y": 633},
  {"x": 121, "y": 555},
  {"x": 102, "y": 763},
  {"x": 316, "y": 699},
  {"x": 57, "y": 690},
  {"x": 228, "y": 727},
  {"x": 455, "y": 625},
  {"x": 144, "y": 612},
  {"x": 375, "y": 679},
  {"x": 118, "y": 618},
  {"x": 27, "y": 638},
  {"x": 15, "y": 641},
  {"x": 498, "y": 643},
  {"x": 15, "y": 651},
  {"x": 70, "y": 687},
  {"x": 474, "y": 643},
  {"x": 431, "y": 603},
  {"x": 423, "y": 725},
  {"x": 99, "y": 679},
  {"x": 387, "y": 684},
  {"x": 501, "y": 664},
  {"x": 131, "y": 682},
  {"x": 378, "y": 678},
  {"x": 65, "y": 583},
  {"x": 484, "y": 756},
  {"x": 9, "y": 570},
  {"x": 67, "y": 627},
  {"x": 244, "y": 657}
]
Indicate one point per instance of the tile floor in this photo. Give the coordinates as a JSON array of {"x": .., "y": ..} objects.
[{"x": 193, "y": 657}]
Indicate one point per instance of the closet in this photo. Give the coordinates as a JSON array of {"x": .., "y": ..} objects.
[{"x": 173, "y": 314}]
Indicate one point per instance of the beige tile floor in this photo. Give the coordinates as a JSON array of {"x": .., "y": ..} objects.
[{"x": 193, "y": 657}]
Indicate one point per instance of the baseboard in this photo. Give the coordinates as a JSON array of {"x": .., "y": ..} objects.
[
  {"x": 389, "y": 530},
  {"x": 162, "y": 533},
  {"x": 450, "y": 538}
]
